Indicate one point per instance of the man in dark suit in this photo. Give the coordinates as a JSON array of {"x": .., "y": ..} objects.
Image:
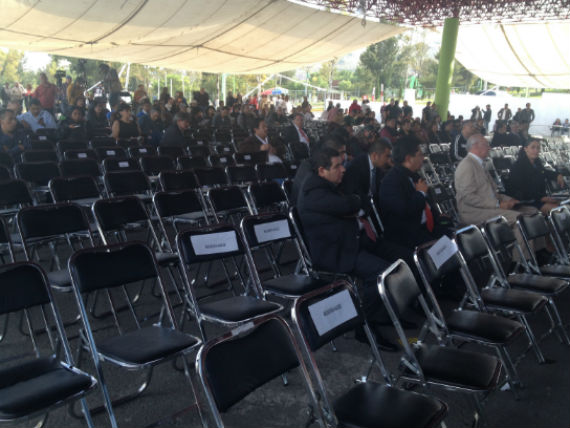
[
  {"x": 174, "y": 135},
  {"x": 337, "y": 241},
  {"x": 404, "y": 207},
  {"x": 364, "y": 174},
  {"x": 295, "y": 133}
]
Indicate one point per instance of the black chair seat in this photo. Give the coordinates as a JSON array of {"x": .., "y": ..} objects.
[
  {"x": 293, "y": 284},
  {"x": 36, "y": 385},
  {"x": 537, "y": 283},
  {"x": 373, "y": 405},
  {"x": 512, "y": 300},
  {"x": 60, "y": 278},
  {"x": 237, "y": 308},
  {"x": 166, "y": 258},
  {"x": 145, "y": 345},
  {"x": 555, "y": 270},
  {"x": 483, "y": 327},
  {"x": 85, "y": 202},
  {"x": 450, "y": 366}
]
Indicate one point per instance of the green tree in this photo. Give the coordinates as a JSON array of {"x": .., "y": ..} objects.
[
  {"x": 380, "y": 59},
  {"x": 11, "y": 69}
]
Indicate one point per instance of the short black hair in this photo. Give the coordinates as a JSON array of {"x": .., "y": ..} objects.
[
  {"x": 379, "y": 145},
  {"x": 4, "y": 112},
  {"x": 322, "y": 158},
  {"x": 406, "y": 146},
  {"x": 35, "y": 102},
  {"x": 182, "y": 115},
  {"x": 332, "y": 143},
  {"x": 257, "y": 121}
]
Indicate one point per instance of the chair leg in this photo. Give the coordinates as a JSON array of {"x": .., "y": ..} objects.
[
  {"x": 557, "y": 323},
  {"x": 512, "y": 378},
  {"x": 532, "y": 340}
]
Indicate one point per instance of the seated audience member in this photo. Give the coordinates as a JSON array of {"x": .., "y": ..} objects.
[
  {"x": 389, "y": 131},
  {"x": 477, "y": 197},
  {"x": 500, "y": 137},
  {"x": 405, "y": 128},
  {"x": 404, "y": 205},
  {"x": 515, "y": 137},
  {"x": 445, "y": 131},
  {"x": 143, "y": 117},
  {"x": 222, "y": 120},
  {"x": 12, "y": 140},
  {"x": 527, "y": 181},
  {"x": 305, "y": 168},
  {"x": 97, "y": 115},
  {"x": 174, "y": 135},
  {"x": 365, "y": 172},
  {"x": 37, "y": 118},
  {"x": 335, "y": 241},
  {"x": 74, "y": 127},
  {"x": 124, "y": 126},
  {"x": 295, "y": 133},
  {"x": 156, "y": 128},
  {"x": 459, "y": 145}
]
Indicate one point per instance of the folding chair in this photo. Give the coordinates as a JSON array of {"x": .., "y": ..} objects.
[
  {"x": 325, "y": 314},
  {"x": 44, "y": 379},
  {"x": 41, "y": 145},
  {"x": 110, "y": 152},
  {"x": 38, "y": 175},
  {"x": 172, "y": 152},
  {"x": 210, "y": 177},
  {"x": 137, "y": 152},
  {"x": 198, "y": 151},
  {"x": 292, "y": 168},
  {"x": 252, "y": 158},
  {"x": 224, "y": 149},
  {"x": 71, "y": 168},
  {"x": 444, "y": 201},
  {"x": 55, "y": 226},
  {"x": 102, "y": 141},
  {"x": 186, "y": 162},
  {"x": 220, "y": 243},
  {"x": 464, "y": 324},
  {"x": 503, "y": 242},
  {"x": 268, "y": 196},
  {"x": 434, "y": 365},
  {"x": 241, "y": 361},
  {"x": 268, "y": 172},
  {"x": 14, "y": 194},
  {"x": 6, "y": 160},
  {"x": 6, "y": 247},
  {"x": 81, "y": 190},
  {"x": 559, "y": 220},
  {"x": 221, "y": 160},
  {"x": 268, "y": 234},
  {"x": 241, "y": 174},
  {"x": 79, "y": 154},
  {"x": 4, "y": 174},
  {"x": 172, "y": 181},
  {"x": 137, "y": 343},
  {"x": 487, "y": 292},
  {"x": 120, "y": 164},
  {"x": 122, "y": 183},
  {"x": 39, "y": 156},
  {"x": 228, "y": 204},
  {"x": 63, "y": 146},
  {"x": 154, "y": 165}
]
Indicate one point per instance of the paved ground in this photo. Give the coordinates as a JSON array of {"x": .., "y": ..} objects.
[{"x": 543, "y": 402}]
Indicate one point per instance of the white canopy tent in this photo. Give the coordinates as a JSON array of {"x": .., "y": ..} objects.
[
  {"x": 533, "y": 55},
  {"x": 220, "y": 36}
]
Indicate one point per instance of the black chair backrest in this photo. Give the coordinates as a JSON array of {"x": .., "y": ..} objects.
[
  {"x": 439, "y": 193},
  {"x": 172, "y": 181},
  {"x": 221, "y": 160},
  {"x": 126, "y": 182},
  {"x": 211, "y": 176},
  {"x": 267, "y": 194},
  {"x": 274, "y": 171},
  {"x": 300, "y": 151},
  {"x": 110, "y": 152},
  {"x": 23, "y": 287},
  {"x": 39, "y": 156},
  {"x": 127, "y": 143},
  {"x": 172, "y": 152},
  {"x": 137, "y": 152},
  {"x": 186, "y": 162},
  {"x": 38, "y": 173},
  {"x": 4, "y": 173},
  {"x": 401, "y": 287},
  {"x": 63, "y": 146},
  {"x": 42, "y": 145},
  {"x": 428, "y": 267},
  {"x": 224, "y": 149},
  {"x": 6, "y": 160},
  {"x": 42, "y": 221},
  {"x": 102, "y": 141},
  {"x": 115, "y": 213},
  {"x": 534, "y": 226},
  {"x": 266, "y": 228},
  {"x": 176, "y": 203},
  {"x": 252, "y": 158},
  {"x": 209, "y": 243},
  {"x": 112, "y": 266},
  {"x": 241, "y": 174},
  {"x": 120, "y": 164},
  {"x": 236, "y": 367},
  {"x": 153, "y": 165},
  {"x": 499, "y": 232},
  {"x": 227, "y": 199},
  {"x": 79, "y": 154},
  {"x": 471, "y": 243},
  {"x": 561, "y": 219},
  {"x": 320, "y": 304},
  {"x": 14, "y": 192},
  {"x": 71, "y": 168},
  {"x": 71, "y": 188},
  {"x": 199, "y": 151},
  {"x": 292, "y": 169}
]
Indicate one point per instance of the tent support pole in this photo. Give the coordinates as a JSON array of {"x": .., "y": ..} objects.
[{"x": 445, "y": 68}]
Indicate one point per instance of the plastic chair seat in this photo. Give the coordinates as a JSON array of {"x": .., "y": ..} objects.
[
  {"x": 555, "y": 270},
  {"x": 374, "y": 405},
  {"x": 145, "y": 345},
  {"x": 36, "y": 385},
  {"x": 237, "y": 308},
  {"x": 449, "y": 366},
  {"x": 60, "y": 278},
  {"x": 537, "y": 283},
  {"x": 483, "y": 327},
  {"x": 512, "y": 300},
  {"x": 293, "y": 284}
]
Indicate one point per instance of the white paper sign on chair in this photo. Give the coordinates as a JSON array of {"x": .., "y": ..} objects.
[
  {"x": 271, "y": 231},
  {"x": 214, "y": 243},
  {"x": 332, "y": 311},
  {"x": 442, "y": 251}
]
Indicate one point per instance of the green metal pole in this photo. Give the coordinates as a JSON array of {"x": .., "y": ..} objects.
[{"x": 445, "y": 68}]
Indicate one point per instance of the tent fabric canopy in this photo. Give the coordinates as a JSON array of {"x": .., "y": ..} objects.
[
  {"x": 219, "y": 36},
  {"x": 523, "y": 55}
]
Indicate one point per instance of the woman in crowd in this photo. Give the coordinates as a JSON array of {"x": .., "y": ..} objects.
[
  {"x": 527, "y": 181},
  {"x": 124, "y": 126},
  {"x": 73, "y": 127},
  {"x": 405, "y": 128},
  {"x": 433, "y": 133}
]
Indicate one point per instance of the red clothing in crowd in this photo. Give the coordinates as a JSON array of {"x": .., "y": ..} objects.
[{"x": 46, "y": 95}]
